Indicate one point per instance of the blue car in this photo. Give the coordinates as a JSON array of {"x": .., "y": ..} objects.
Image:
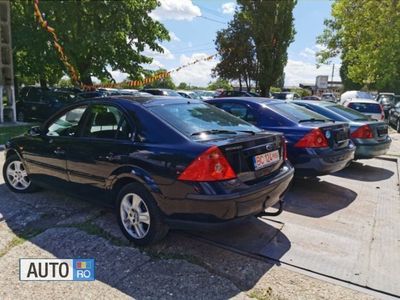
[
  {"x": 370, "y": 136},
  {"x": 316, "y": 145},
  {"x": 161, "y": 162}
]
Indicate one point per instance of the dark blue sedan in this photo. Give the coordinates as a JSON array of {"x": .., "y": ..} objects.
[
  {"x": 160, "y": 161},
  {"x": 370, "y": 136},
  {"x": 316, "y": 145}
]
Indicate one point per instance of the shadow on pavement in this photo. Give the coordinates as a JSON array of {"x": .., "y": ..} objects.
[
  {"x": 362, "y": 172},
  {"x": 316, "y": 198},
  {"x": 178, "y": 264}
]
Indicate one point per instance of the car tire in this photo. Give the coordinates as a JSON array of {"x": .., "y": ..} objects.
[
  {"x": 20, "y": 117},
  {"x": 138, "y": 215},
  {"x": 16, "y": 177}
]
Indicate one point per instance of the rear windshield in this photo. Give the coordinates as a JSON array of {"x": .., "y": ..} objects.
[
  {"x": 194, "y": 118},
  {"x": 296, "y": 113},
  {"x": 348, "y": 113},
  {"x": 366, "y": 107}
]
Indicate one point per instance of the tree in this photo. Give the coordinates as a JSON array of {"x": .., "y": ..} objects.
[
  {"x": 271, "y": 28},
  {"x": 366, "y": 36},
  {"x": 220, "y": 84},
  {"x": 165, "y": 83},
  {"x": 237, "y": 51},
  {"x": 96, "y": 35},
  {"x": 183, "y": 86}
]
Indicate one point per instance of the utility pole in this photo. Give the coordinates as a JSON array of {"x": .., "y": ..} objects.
[{"x": 333, "y": 72}]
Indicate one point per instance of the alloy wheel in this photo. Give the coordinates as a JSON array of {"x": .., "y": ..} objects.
[
  {"x": 135, "y": 215},
  {"x": 17, "y": 176}
]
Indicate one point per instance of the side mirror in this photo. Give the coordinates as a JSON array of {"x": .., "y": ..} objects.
[{"x": 35, "y": 131}]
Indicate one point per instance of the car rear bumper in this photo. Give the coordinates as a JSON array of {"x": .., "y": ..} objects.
[
  {"x": 373, "y": 149},
  {"x": 324, "y": 163},
  {"x": 199, "y": 210}
]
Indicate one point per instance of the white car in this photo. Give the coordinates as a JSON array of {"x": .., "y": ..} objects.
[
  {"x": 354, "y": 94},
  {"x": 367, "y": 107},
  {"x": 329, "y": 97}
]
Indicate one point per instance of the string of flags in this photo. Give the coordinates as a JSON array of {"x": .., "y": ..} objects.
[{"x": 75, "y": 75}]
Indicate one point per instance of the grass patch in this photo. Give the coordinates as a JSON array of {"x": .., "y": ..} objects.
[
  {"x": 264, "y": 294},
  {"x": 8, "y": 132},
  {"x": 20, "y": 239}
]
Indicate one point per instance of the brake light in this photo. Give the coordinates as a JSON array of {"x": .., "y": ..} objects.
[
  {"x": 284, "y": 146},
  {"x": 363, "y": 132},
  {"x": 382, "y": 112},
  {"x": 211, "y": 165},
  {"x": 314, "y": 139}
]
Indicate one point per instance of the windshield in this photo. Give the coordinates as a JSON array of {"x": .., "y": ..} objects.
[
  {"x": 297, "y": 113},
  {"x": 371, "y": 108},
  {"x": 348, "y": 113},
  {"x": 173, "y": 93},
  {"x": 194, "y": 118}
]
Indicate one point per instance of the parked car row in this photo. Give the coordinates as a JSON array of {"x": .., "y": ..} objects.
[{"x": 172, "y": 162}]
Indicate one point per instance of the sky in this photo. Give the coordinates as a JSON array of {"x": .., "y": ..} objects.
[{"x": 193, "y": 25}]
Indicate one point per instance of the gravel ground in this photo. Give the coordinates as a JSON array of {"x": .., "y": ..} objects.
[{"x": 51, "y": 225}]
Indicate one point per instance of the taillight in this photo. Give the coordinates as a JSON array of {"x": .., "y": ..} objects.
[
  {"x": 382, "y": 112},
  {"x": 363, "y": 132},
  {"x": 211, "y": 165},
  {"x": 314, "y": 139},
  {"x": 284, "y": 147}
]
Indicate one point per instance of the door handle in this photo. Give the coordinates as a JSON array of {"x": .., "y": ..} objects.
[
  {"x": 59, "y": 151},
  {"x": 110, "y": 156}
]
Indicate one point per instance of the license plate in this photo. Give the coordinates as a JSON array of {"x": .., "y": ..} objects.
[
  {"x": 341, "y": 136},
  {"x": 382, "y": 131},
  {"x": 265, "y": 159}
]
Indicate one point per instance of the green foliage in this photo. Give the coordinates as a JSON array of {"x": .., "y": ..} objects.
[
  {"x": 366, "y": 35},
  {"x": 165, "y": 83},
  {"x": 274, "y": 89},
  {"x": 96, "y": 36},
  {"x": 301, "y": 92},
  {"x": 65, "y": 83},
  {"x": 272, "y": 30},
  {"x": 220, "y": 83},
  {"x": 183, "y": 86},
  {"x": 235, "y": 46}
]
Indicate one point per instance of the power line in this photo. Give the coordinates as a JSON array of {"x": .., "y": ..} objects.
[
  {"x": 211, "y": 11},
  {"x": 213, "y": 20}
]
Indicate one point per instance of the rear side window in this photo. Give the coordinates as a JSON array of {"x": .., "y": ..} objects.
[
  {"x": 107, "y": 122},
  {"x": 239, "y": 110},
  {"x": 366, "y": 107},
  {"x": 193, "y": 118},
  {"x": 295, "y": 112},
  {"x": 348, "y": 113}
]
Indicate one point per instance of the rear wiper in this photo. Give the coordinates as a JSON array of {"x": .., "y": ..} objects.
[
  {"x": 312, "y": 120},
  {"x": 248, "y": 131},
  {"x": 214, "y": 131}
]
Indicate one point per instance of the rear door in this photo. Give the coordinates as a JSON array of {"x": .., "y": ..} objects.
[{"x": 102, "y": 147}]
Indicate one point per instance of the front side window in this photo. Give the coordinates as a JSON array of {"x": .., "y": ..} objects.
[
  {"x": 107, "y": 122},
  {"x": 68, "y": 123}
]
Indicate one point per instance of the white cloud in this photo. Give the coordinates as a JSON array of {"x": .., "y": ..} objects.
[
  {"x": 297, "y": 71},
  {"x": 174, "y": 37},
  {"x": 308, "y": 53},
  {"x": 154, "y": 65},
  {"x": 176, "y": 10},
  {"x": 198, "y": 74},
  {"x": 228, "y": 8},
  {"x": 157, "y": 55}
]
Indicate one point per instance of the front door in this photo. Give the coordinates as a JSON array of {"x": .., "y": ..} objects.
[{"x": 45, "y": 154}]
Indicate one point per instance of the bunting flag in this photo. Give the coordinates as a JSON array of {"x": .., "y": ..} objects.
[
  {"x": 71, "y": 70},
  {"x": 75, "y": 75}
]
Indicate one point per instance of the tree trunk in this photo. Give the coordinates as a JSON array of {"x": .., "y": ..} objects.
[
  {"x": 240, "y": 83},
  {"x": 87, "y": 80},
  {"x": 43, "y": 82}
]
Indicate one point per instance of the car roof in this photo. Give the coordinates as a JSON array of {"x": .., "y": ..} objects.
[
  {"x": 320, "y": 103},
  {"x": 362, "y": 100},
  {"x": 147, "y": 101},
  {"x": 257, "y": 100}
]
